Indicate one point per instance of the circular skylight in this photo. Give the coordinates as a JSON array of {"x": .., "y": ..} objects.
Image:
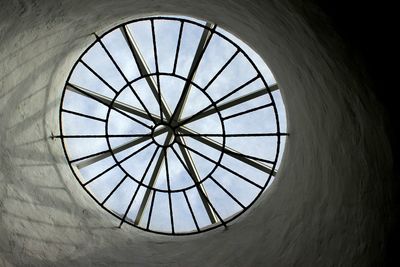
[{"x": 172, "y": 124}]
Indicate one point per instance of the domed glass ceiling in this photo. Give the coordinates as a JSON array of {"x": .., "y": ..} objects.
[{"x": 172, "y": 124}]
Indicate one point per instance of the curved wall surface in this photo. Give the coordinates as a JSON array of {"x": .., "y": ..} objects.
[{"x": 324, "y": 209}]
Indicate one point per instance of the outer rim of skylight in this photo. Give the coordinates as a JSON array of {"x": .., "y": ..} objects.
[{"x": 185, "y": 20}]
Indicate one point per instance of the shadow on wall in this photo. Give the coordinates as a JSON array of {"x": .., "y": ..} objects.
[{"x": 39, "y": 217}]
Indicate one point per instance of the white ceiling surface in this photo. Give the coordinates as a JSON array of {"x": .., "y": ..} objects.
[{"x": 323, "y": 208}]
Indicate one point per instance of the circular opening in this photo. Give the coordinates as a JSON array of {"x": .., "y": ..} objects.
[{"x": 172, "y": 124}]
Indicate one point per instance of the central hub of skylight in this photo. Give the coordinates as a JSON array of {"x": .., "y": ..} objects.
[
  {"x": 172, "y": 124},
  {"x": 163, "y": 135}
]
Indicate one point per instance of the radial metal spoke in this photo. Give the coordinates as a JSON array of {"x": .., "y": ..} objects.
[
  {"x": 194, "y": 116},
  {"x": 105, "y": 154},
  {"x": 114, "y": 189},
  {"x": 237, "y": 101},
  {"x": 83, "y": 115},
  {"x": 221, "y": 165},
  {"x": 247, "y": 111},
  {"x": 201, "y": 48},
  {"x": 153, "y": 180},
  {"x": 98, "y": 76},
  {"x": 191, "y": 211},
  {"x": 108, "y": 101},
  {"x": 125, "y": 79},
  {"x": 102, "y": 135},
  {"x": 192, "y": 170},
  {"x": 222, "y": 69},
  {"x": 169, "y": 190},
  {"x": 144, "y": 69},
  {"x": 235, "y": 135},
  {"x": 153, "y": 34},
  {"x": 178, "y": 46},
  {"x": 151, "y": 209},
  {"x": 235, "y": 154},
  {"x": 139, "y": 185},
  {"x": 227, "y": 192},
  {"x": 116, "y": 164}
]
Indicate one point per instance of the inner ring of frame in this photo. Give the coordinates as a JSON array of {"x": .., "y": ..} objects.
[{"x": 140, "y": 183}]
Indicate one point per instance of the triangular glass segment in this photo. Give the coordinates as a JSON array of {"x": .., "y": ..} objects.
[
  {"x": 119, "y": 49},
  {"x": 84, "y": 105},
  {"x": 142, "y": 35},
  {"x": 236, "y": 74},
  {"x": 166, "y": 32},
  {"x": 259, "y": 121},
  {"x": 85, "y": 146},
  {"x": 260, "y": 147},
  {"x": 161, "y": 219},
  {"x": 105, "y": 184},
  {"x": 190, "y": 40},
  {"x": 77, "y": 125},
  {"x": 183, "y": 220},
  {"x": 225, "y": 206},
  {"x": 198, "y": 207},
  {"x": 136, "y": 165},
  {"x": 244, "y": 192},
  {"x": 120, "y": 124},
  {"x": 217, "y": 54},
  {"x": 119, "y": 201},
  {"x": 171, "y": 89},
  {"x": 99, "y": 61},
  {"x": 179, "y": 177},
  {"x": 83, "y": 77},
  {"x": 258, "y": 61}
]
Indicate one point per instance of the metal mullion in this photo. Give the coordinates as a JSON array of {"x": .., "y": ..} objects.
[
  {"x": 247, "y": 111},
  {"x": 157, "y": 67},
  {"x": 215, "y": 211},
  {"x": 151, "y": 209},
  {"x": 102, "y": 135},
  {"x": 116, "y": 164},
  {"x": 237, "y": 101},
  {"x": 98, "y": 76},
  {"x": 87, "y": 157},
  {"x": 227, "y": 192},
  {"x": 129, "y": 206},
  {"x": 195, "y": 175},
  {"x": 108, "y": 101},
  {"x": 152, "y": 181},
  {"x": 126, "y": 79},
  {"x": 235, "y": 135},
  {"x": 115, "y": 189},
  {"x": 83, "y": 115},
  {"x": 138, "y": 186},
  {"x": 191, "y": 211},
  {"x": 100, "y": 100},
  {"x": 201, "y": 48},
  {"x": 178, "y": 45},
  {"x": 221, "y": 70},
  {"x": 143, "y": 68},
  {"x": 247, "y": 156},
  {"x": 191, "y": 118},
  {"x": 199, "y": 186},
  {"x": 169, "y": 190},
  {"x": 221, "y": 165},
  {"x": 118, "y": 149},
  {"x": 234, "y": 154}
]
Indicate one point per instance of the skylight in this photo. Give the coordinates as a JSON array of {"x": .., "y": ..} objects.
[{"x": 172, "y": 124}]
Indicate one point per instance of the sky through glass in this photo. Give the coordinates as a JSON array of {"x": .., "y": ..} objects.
[{"x": 170, "y": 126}]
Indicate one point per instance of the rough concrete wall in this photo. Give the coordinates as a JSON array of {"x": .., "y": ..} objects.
[{"x": 324, "y": 208}]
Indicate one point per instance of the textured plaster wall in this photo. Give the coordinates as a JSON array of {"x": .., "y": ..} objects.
[{"x": 326, "y": 207}]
